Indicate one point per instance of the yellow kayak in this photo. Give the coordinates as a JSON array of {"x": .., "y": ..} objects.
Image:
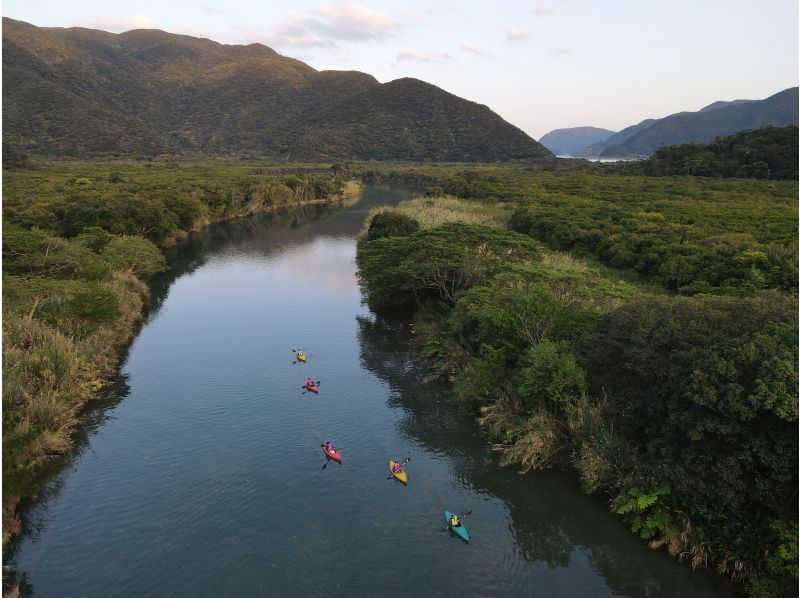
[
  {"x": 400, "y": 475},
  {"x": 300, "y": 356}
]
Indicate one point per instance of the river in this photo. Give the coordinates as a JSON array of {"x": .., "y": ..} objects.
[{"x": 201, "y": 474}]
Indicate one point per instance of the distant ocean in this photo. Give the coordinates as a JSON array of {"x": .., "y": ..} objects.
[{"x": 602, "y": 159}]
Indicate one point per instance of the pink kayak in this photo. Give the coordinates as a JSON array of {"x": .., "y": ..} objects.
[
  {"x": 331, "y": 452},
  {"x": 312, "y": 387}
]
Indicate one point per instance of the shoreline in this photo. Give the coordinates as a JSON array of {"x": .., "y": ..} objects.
[{"x": 119, "y": 336}]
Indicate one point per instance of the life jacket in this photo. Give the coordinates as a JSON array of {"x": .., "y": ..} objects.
[{"x": 454, "y": 521}]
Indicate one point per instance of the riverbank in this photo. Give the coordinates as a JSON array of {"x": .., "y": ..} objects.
[
  {"x": 565, "y": 366},
  {"x": 79, "y": 241}
]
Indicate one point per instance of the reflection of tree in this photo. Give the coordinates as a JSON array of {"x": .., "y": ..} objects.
[
  {"x": 386, "y": 352},
  {"x": 550, "y": 518},
  {"x": 33, "y": 512},
  {"x": 189, "y": 255}
]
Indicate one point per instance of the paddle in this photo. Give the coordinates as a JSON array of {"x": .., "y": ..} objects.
[
  {"x": 407, "y": 461},
  {"x": 467, "y": 514}
]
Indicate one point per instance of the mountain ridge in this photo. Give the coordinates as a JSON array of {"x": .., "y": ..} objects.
[
  {"x": 718, "y": 119},
  {"x": 83, "y": 93},
  {"x": 565, "y": 142}
]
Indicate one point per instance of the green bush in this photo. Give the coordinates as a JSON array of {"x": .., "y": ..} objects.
[
  {"x": 391, "y": 224},
  {"x": 135, "y": 254}
]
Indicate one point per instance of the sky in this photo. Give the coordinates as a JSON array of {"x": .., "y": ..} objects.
[{"x": 541, "y": 65}]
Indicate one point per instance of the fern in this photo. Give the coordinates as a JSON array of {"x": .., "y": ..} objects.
[{"x": 640, "y": 508}]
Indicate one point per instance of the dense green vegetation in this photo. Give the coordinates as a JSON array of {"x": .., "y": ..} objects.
[
  {"x": 681, "y": 410},
  {"x": 146, "y": 93},
  {"x": 691, "y": 234},
  {"x": 78, "y": 241},
  {"x": 766, "y": 153},
  {"x": 153, "y": 200}
]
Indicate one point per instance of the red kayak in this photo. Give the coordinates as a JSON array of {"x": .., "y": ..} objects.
[
  {"x": 331, "y": 452},
  {"x": 311, "y": 387}
]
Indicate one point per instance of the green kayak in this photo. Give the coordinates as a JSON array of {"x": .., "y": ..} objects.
[{"x": 459, "y": 530}]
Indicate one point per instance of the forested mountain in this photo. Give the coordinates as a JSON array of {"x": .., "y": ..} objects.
[
  {"x": 565, "y": 142},
  {"x": 88, "y": 93},
  {"x": 715, "y": 120},
  {"x": 766, "y": 153}
]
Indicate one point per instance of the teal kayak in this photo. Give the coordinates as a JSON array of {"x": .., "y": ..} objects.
[{"x": 458, "y": 530}]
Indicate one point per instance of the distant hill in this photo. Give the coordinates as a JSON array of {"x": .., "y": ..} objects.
[
  {"x": 595, "y": 149},
  {"x": 718, "y": 119},
  {"x": 765, "y": 153},
  {"x": 565, "y": 142},
  {"x": 722, "y": 104},
  {"x": 84, "y": 93}
]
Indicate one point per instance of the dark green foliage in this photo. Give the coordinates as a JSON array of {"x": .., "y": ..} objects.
[
  {"x": 644, "y": 509},
  {"x": 94, "y": 238},
  {"x": 391, "y": 224},
  {"x": 154, "y": 201},
  {"x": 693, "y": 235},
  {"x": 13, "y": 157},
  {"x": 71, "y": 306},
  {"x": 550, "y": 378},
  {"x": 138, "y": 255},
  {"x": 690, "y": 243},
  {"x": 443, "y": 261},
  {"x": 40, "y": 253},
  {"x": 84, "y": 93},
  {"x": 767, "y": 153},
  {"x": 707, "y": 388}
]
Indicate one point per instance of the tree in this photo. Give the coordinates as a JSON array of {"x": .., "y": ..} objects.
[
  {"x": 135, "y": 254},
  {"x": 391, "y": 224}
]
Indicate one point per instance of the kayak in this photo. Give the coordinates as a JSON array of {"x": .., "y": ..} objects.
[
  {"x": 332, "y": 453},
  {"x": 458, "y": 530},
  {"x": 399, "y": 475},
  {"x": 312, "y": 387},
  {"x": 301, "y": 356}
]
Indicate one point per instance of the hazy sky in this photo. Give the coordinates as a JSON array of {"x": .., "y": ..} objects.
[{"x": 540, "y": 65}]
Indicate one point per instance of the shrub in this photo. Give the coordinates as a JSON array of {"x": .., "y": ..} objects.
[{"x": 391, "y": 224}]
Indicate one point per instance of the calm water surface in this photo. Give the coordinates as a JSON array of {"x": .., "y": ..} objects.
[{"x": 203, "y": 475}]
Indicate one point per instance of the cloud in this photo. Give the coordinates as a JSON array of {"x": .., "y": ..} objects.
[
  {"x": 350, "y": 21},
  {"x": 473, "y": 48},
  {"x": 515, "y": 35},
  {"x": 326, "y": 24},
  {"x": 556, "y": 52},
  {"x": 543, "y": 9},
  {"x": 119, "y": 24},
  {"x": 421, "y": 56}
]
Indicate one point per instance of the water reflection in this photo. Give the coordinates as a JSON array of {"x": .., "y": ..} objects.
[{"x": 551, "y": 521}]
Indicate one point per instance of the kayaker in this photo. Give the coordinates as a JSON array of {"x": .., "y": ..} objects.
[
  {"x": 396, "y": 468},
  {"x": 309, "y": 383},
  {"x": 454, "y": 522}
]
